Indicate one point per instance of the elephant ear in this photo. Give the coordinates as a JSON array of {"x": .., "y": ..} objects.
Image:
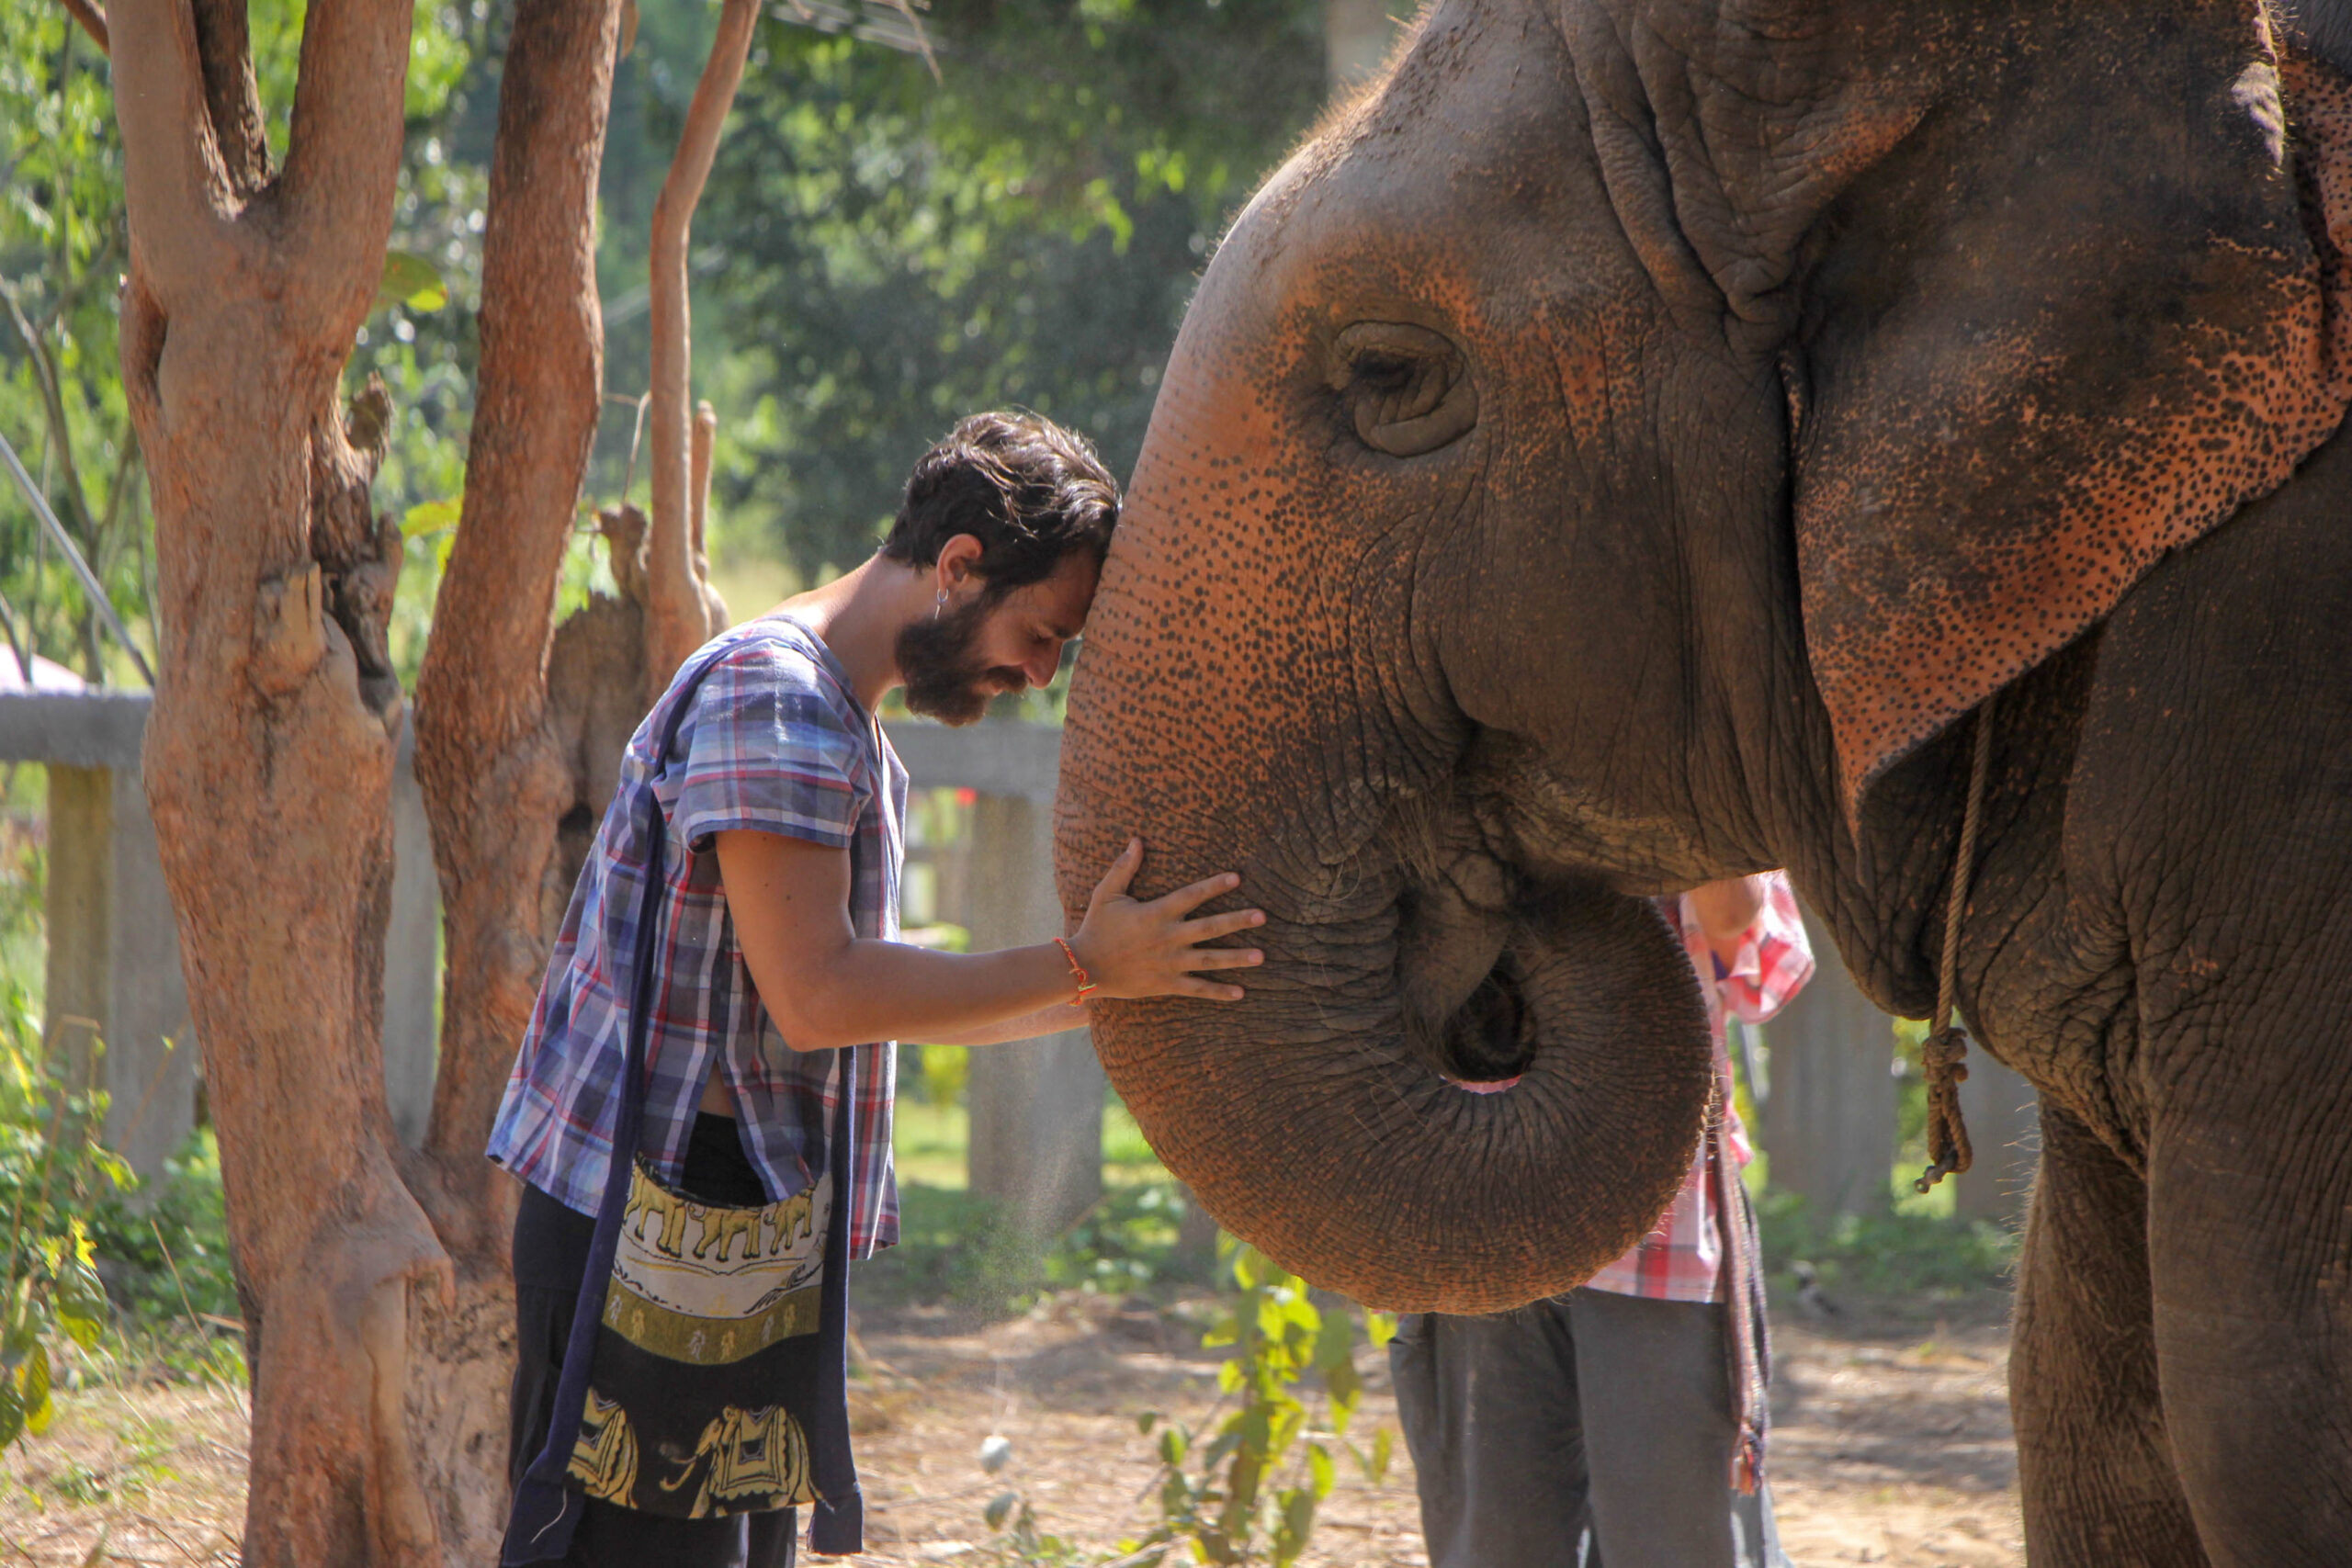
[{"x": 2045, "y": 340}]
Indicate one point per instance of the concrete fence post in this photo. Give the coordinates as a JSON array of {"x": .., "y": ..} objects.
[
  {"x": 411, "y": 956},
  {"x": 1037, "y": 1107},
  {"x": 1830, "y": 1119},
  {"x": 114, "y": 963}
]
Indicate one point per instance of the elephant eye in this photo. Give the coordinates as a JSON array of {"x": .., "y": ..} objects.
[{"x": 1407, "y": 389}]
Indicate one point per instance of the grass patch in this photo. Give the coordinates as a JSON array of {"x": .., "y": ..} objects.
[
  {"x": 1904, "y": 1252},
  {"x": 929, "y": 1143}
]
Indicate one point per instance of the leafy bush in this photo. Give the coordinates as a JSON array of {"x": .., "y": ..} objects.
[
  {"x": 1243, "y": 1490},
  {"x": 1884, "y": 1254},
  {"x": 1128, "y": 1242},
  {"x": 51, "y": 1174}
]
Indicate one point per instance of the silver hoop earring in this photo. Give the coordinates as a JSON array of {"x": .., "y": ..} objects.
[{"x": 939, "y": 603}]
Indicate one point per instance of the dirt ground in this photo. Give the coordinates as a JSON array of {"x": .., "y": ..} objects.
[{"x": 1892, "y": 1445}]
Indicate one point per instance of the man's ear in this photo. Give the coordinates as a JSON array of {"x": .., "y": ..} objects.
[{"x": 958, "y": 562}]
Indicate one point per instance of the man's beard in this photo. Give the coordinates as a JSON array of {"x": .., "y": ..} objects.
[{"x": 944, "y": 680}]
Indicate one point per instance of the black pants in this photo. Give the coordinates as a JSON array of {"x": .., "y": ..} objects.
[{"x": 550, "y": 1253}]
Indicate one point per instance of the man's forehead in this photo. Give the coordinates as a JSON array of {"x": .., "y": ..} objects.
[{"x": 1062, "y": 600}]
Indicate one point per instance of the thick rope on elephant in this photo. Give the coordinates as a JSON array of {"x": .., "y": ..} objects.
[{"x": 1946, "y": 1047}]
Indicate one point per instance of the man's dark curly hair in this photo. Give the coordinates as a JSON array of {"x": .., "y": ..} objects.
[{"x": 1028, "y": 489}]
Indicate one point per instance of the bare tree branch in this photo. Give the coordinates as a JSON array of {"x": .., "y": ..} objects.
[
  {"x": 176, "y": 188},
  {"x": 60, "y": 431},
  {"x": 679, "y": 610},
  {"x": 343, "y": 158},
  {"x": 92, "y": 20},
  {"x": 705, "y": 439}
]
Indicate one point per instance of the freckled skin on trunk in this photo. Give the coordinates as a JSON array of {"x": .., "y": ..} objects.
[{"x": 1616, "y": 454}]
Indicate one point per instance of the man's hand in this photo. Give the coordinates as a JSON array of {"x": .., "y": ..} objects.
[{"x": 1135, "y": 949}]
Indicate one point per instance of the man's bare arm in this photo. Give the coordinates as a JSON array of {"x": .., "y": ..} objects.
[
  {"x": 1028, "y": 1026},
  {"x": 827, "y": 987}
]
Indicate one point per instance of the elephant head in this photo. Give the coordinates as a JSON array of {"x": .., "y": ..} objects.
[{"x": 1633, "y": 426}]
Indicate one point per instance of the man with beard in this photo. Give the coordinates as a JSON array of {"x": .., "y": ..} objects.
[{"x": 764, "y": 956}]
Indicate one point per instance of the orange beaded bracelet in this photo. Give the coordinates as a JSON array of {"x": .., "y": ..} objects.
[{"x": 1077, "y": 971}]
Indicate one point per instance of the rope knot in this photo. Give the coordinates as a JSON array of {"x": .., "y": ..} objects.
[{"x": 1948, "y": 1148}]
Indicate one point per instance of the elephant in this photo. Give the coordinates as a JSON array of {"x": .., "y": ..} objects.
[{"x": 1639, "y": 442}]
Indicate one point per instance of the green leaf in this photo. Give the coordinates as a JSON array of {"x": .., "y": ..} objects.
[
  {"x": 1147, "y": 1421},
  {"x": 1346, "y": 1388},
  {"x": 32, "y": 1381},
  {"x": 1335, "y": 1340},
  {"x": 22, "y": 1336},
  {"x": 1320, "y": 1469},
  {"x": 427, "y": 517},
  {"x": 999, "y": 1508},
  {"x": 1380, "y": 1327},
  {"x": 1172, "y": 1446},
  {"x": 12, "y": 1412},
  {"x": 1383, "y": 1448},
  {"x": 1299, "y": 1523},
  {"x": 410, "y": 279}
]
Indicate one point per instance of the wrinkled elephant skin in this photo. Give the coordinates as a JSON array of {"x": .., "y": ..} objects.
[{"x": 1622, "y": 450}]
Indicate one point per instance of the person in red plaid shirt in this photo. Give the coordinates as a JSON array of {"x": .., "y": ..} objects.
[{"x": 1623, "y": 1423}]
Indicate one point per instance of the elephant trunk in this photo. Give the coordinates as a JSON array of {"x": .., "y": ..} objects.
[{"x": 1229, "y": 715}]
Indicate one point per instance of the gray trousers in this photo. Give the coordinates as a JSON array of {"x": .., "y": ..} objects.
[{"x": 1584, "y": 1430}]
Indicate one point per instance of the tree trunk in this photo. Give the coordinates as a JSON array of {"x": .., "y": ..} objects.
[
  {"x": 378, "y": 1408},
  {"x": 496, "y": 776},
  {"x": 520, "y": 732},
  {"x": 269, "y": 751}
]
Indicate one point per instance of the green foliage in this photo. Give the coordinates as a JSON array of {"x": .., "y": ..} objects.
[
  {"x": 1892, "y": 1253},
  {"x": 1251, "y": 1493},
  {"x": 24, "y": 874},
  {"x": 1243, "y": 1489},
  {"x": 62, "y": 246},
  {"x": 892, "y": 252},
  {"x": 50, "y": 1174},
  {"x": 1128, "y": 1242}
]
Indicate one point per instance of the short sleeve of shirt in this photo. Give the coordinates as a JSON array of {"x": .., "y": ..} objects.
[{"x": 772, "y": 746}]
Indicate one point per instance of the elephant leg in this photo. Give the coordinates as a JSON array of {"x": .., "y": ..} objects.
[
  {"x": 2099, "y": 1487},
  {"x": 2250, "y": 1254}
]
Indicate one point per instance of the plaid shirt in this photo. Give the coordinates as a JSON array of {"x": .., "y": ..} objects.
[
  {"x": 776, "y": 742},
  {"x": 1682, "y": 1259}
]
